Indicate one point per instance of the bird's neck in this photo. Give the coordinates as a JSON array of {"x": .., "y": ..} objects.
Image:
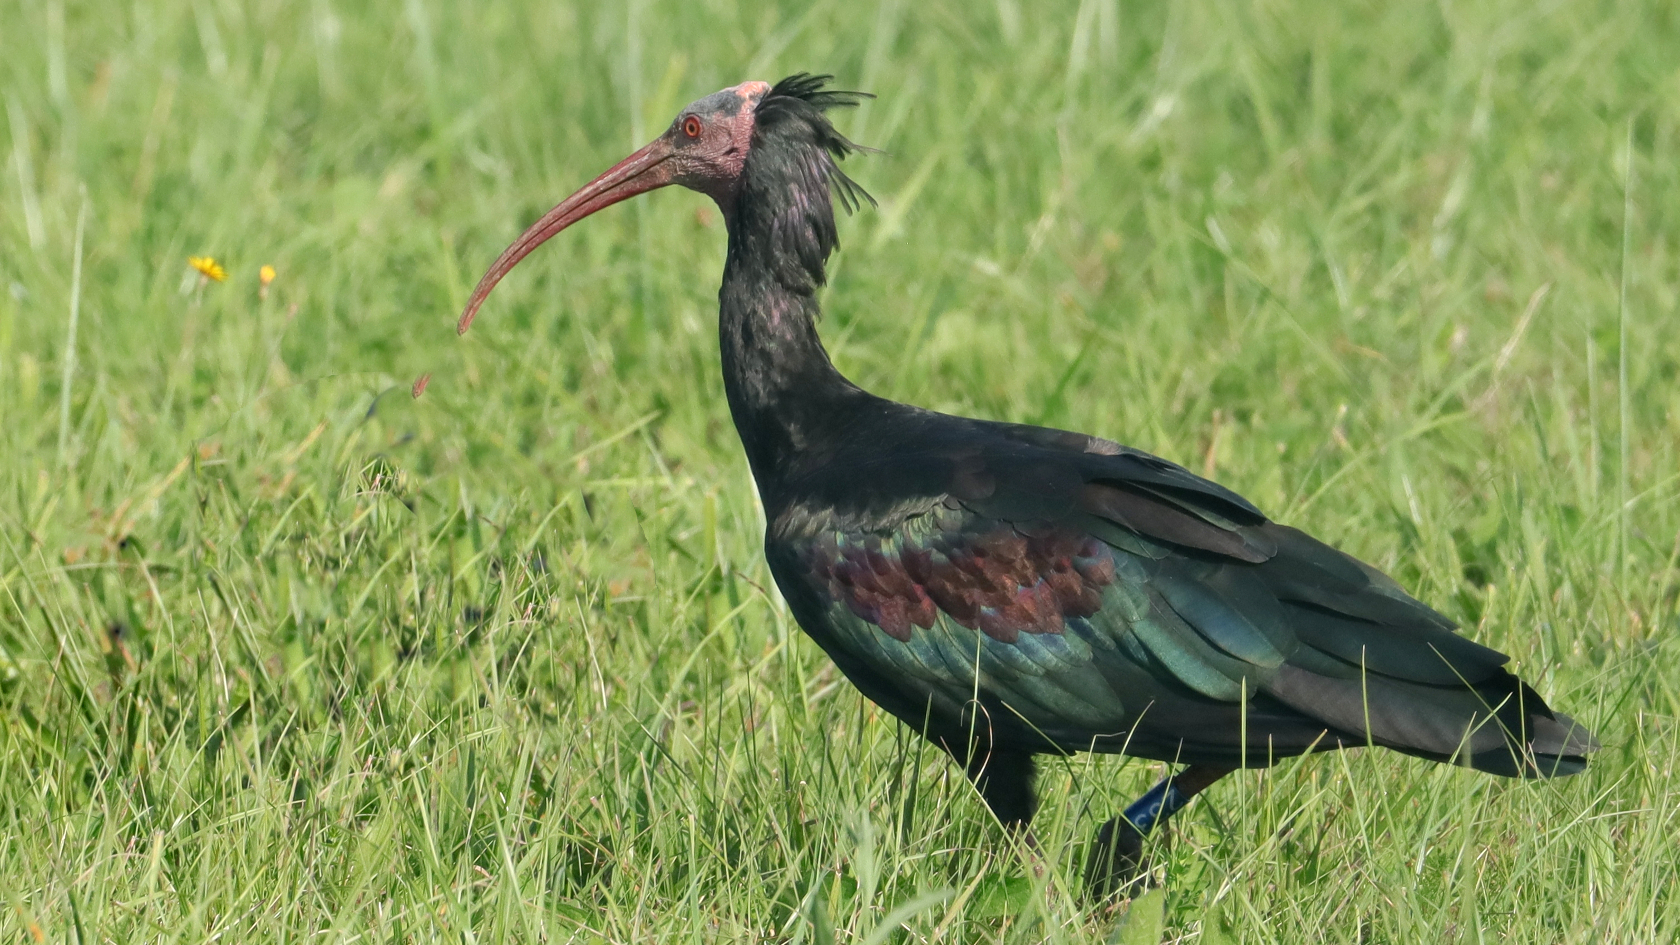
[{"x": 788, "y": 400}]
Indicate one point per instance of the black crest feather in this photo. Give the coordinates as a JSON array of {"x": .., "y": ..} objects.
[
  {"x": 792, "y": 177},
  {"x": 803, "y": 98}
]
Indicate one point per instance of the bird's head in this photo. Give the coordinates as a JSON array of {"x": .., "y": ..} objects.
[{"x": 705, "y": 150}]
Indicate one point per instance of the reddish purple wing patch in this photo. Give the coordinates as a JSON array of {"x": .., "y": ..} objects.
[{"x": 984, "y": 575}]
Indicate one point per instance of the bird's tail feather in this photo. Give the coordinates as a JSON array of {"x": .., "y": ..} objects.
[{"x": 1499, "y": 726}]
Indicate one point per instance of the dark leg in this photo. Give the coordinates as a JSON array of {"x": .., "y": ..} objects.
[
  {"x": 1004, "y": 779},
  {"x": 1117, "y": 856}
]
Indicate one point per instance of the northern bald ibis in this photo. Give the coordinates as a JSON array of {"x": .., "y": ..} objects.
[{"x": 1009, "y": 590}]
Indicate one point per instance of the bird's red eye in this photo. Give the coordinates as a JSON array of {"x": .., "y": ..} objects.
[{"x": 691, "y": 126}]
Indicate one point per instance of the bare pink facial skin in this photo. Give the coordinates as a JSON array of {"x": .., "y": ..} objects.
[
  {"x": 713, "y": 157},
  {"x": 705, "y": 149}
]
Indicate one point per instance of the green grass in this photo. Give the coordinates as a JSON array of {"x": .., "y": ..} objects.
[{"x": 286, "y": 656}]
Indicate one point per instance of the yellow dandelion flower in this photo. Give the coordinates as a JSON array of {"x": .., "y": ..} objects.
[
  {"x": 265, "y": 275},
  {"x": 208, "y": 267}
]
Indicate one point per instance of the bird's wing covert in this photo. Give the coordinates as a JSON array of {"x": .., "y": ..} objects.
[{"x": 1070, "y": 631}]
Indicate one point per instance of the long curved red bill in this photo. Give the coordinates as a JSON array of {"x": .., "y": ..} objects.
[{"x": 639, "y": 173}]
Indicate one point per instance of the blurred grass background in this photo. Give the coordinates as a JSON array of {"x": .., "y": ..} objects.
[{"x": 287, "y": 654}]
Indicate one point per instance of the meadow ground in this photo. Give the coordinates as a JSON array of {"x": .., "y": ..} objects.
[{"x": 286, "y": 655}]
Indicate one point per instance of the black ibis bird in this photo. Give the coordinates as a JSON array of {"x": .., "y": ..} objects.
[{"x": 1011, "y": 591}]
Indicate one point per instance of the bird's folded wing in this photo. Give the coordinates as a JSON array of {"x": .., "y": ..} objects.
[{"x": 1077, "y": 595}]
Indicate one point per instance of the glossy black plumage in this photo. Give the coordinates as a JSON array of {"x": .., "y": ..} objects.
[{"x": 1011, "y": 590}]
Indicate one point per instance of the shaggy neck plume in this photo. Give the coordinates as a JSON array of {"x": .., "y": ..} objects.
[{"x": 787, "y": 399}]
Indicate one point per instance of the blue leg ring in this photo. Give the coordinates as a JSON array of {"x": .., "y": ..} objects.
[{"x": 1162, "y": 801}]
